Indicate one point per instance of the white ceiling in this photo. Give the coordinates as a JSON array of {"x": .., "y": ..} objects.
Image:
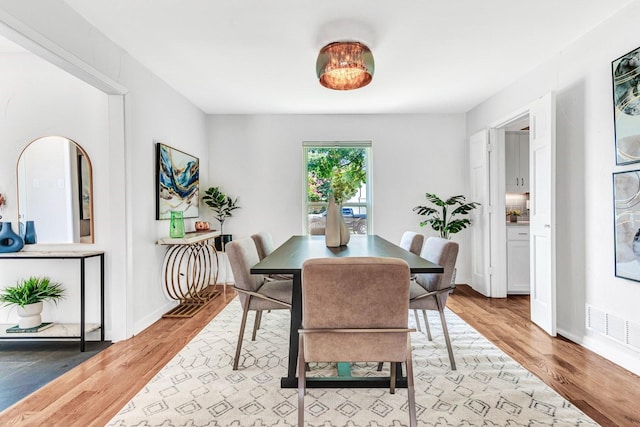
[{"x": 258, "y": 56}]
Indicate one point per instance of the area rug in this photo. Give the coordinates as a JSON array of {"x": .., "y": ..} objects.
[{"x": 199, "y": 388}]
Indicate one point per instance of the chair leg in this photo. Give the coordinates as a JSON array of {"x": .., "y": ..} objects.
[
  {"x": 301, "y": 381},
  {"x": 410, "y": 388},
  {"x": 245, "y": 310},
  {"x": 256, "y": 324},
  {"x": 415, "y": 314},
  {"x": 445, "y": 330},
  {"x": 426, "y": 324},
  {"x": 392, "y": 378}
]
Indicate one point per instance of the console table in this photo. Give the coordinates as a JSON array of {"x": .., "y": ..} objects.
[
  {"x": 60, "y": 331},
  {"x": 188, "y": 270}
]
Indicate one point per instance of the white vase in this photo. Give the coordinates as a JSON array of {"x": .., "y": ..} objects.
[
  {"x": 332, "y": 226},
  {"x": 345, "y": 235},
  {"x": 30, "y": 315}
]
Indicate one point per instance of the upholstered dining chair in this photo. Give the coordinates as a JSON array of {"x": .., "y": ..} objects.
[
  {"x": 264, "y": 245},
  {"x": 412, "y": 242},
  {"x": 430, "y": 291},
  {"x": 255, "y": 292},
  {"x": 355, "y": 329},
  {"x": 316, "y": 231}
]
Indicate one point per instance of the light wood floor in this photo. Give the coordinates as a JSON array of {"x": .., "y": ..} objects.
[{"x": 92, "y": 393}]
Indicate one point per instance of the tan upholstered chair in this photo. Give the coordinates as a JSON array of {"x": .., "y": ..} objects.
[
  {"x": 254, "y": 291},
  {"x": 316, "y": 231},
  {"x": 355, "y": 310},
  {"x": 412, "y": 242},
  {"x": 430, "y": 291},
  {"x": 264, "y": 245}
]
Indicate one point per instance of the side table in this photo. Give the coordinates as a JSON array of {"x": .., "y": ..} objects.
[{"x": 188, "y": 270}]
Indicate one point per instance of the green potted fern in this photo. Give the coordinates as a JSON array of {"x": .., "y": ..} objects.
[{"x": 28, "y": 295}]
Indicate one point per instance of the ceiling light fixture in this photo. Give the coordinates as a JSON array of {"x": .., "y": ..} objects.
[{"x": 345, "y": 65}]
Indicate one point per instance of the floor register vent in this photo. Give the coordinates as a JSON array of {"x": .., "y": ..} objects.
[{"x": 621, "y": 330}]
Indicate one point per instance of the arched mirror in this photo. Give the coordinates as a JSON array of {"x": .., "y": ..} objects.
[{"x": 55, "y": 190}]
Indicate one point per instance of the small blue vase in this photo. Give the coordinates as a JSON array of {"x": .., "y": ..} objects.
[
  {"x": 9, "y": 240},
  {"x": 30, "y": 233}
]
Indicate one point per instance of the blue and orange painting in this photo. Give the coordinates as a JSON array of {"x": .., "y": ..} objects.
[{"x": 178, "y": 182}]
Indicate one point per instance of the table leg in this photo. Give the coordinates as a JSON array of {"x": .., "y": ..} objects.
[{"x": 296, "y": 322}]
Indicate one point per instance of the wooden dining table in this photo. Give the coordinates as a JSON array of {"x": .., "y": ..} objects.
[{"x": 288, "y": 259}]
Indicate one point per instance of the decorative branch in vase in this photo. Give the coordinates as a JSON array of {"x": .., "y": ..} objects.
[{"x": 222, "y": 206}]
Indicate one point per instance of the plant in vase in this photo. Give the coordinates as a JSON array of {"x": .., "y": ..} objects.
[
  {"x": 513, "y": 214},
  {"x": 448, "y": 219},
  {"x": 222, "y": 206},
  {"x": 28, "y": 295}
]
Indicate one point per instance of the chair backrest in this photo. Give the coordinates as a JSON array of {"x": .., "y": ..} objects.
[
  {"x": 443, "y": 252},
  {"x": 316, "y": 231},
  {"x": 412, "y": 242},
  {"x": 350, "y": 293},
  {"x": 264, "y": 244},
  {"x": 243, "y": 255}
]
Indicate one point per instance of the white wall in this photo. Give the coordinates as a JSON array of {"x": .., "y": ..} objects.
[
  {"x": 259, "y": 159},
  {"x": 152, "y": 112},
  {"x": 39, "y": 100},
  {"x": 581, "y": 78}
]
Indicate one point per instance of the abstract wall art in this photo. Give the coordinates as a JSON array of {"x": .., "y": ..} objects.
[
  {"x": 626, "y": 196},
  {"x": 626, "y": 107},
  {"x": 177, "y": 182}
]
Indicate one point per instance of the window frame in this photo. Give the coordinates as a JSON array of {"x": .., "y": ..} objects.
[{"x": 368, "y": 204}]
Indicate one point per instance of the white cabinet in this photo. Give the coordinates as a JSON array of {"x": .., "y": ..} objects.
[
  {"x": 518, "y": 259},
  {"x": 517, "y": 162}
]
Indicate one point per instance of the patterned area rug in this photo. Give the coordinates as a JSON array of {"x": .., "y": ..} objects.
[{"x": 199, "y": 388}]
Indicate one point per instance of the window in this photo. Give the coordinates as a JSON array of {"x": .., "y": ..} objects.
[{"x": 344, "y": 168}]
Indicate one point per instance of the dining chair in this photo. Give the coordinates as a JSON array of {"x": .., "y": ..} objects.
[
  {"x": 342, "y": 317},
  {"x": 430, "y": 291},
  {"x": 412, "y": 242},
  {"x": 264, "y": 245},
  {"x": 255, "y": 292},
  {"x": 316, "y": 231}
]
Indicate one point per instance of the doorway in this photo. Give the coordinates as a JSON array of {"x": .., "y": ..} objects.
[{"x": 488, "y": 184}]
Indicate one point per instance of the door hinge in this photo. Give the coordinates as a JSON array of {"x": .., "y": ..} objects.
[{"x": 489, "y": 147}]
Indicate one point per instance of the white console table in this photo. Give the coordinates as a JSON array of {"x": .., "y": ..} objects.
[
  {"x": 62, "y": 331},
  {"x": 188, "y": 269}
]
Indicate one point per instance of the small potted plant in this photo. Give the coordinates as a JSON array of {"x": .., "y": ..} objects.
[
  {"x": 222, "y": 206},
  {"x": 513, "y": 214},
  {"x": 28, "y": 295}
]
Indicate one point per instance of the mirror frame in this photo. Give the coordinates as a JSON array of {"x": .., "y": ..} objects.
[{"x": 84, "y": 153}]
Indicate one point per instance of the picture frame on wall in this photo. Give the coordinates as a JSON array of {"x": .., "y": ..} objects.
[
  {"x": 177, "y": 182},
  {"x": 626, "y": 107},
  {"x": 626, "y": 208}
]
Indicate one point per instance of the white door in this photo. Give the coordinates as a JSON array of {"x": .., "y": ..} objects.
[
  {"x": 542, "y": 213},
  {"x": 481, "y": 216}
]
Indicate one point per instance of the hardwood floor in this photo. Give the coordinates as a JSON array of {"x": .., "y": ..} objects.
[{"x": 93, "y": 392}]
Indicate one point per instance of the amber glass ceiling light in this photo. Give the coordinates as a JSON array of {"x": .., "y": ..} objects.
[{"x": 345, "y": 65}]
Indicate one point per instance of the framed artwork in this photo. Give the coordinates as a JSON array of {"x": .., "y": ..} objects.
[
  {"x": 626, "y": 107},
  {"x": 177, "y": 182},
  {"x": 626, "y": 207}
]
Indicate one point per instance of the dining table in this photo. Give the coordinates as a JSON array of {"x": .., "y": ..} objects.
[{"x": 288, "y": 259}]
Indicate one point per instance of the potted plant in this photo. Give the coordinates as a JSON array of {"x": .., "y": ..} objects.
[
  {"x": 446, "y": 220},
  {"x": 513, "y": 214},
  {"x": 222, "y": 206},
  {"x": 28, "y": 295}
]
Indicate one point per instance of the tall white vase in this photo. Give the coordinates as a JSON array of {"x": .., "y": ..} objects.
[
  {"x": 332, "y": 226},
  {"x": 345, "y": 235},
  {"x": 30, "y": 315}
]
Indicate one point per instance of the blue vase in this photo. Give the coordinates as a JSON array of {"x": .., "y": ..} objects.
[
  {"x": 30, "y": 233},
  {"x": 9, "y": 240}
]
